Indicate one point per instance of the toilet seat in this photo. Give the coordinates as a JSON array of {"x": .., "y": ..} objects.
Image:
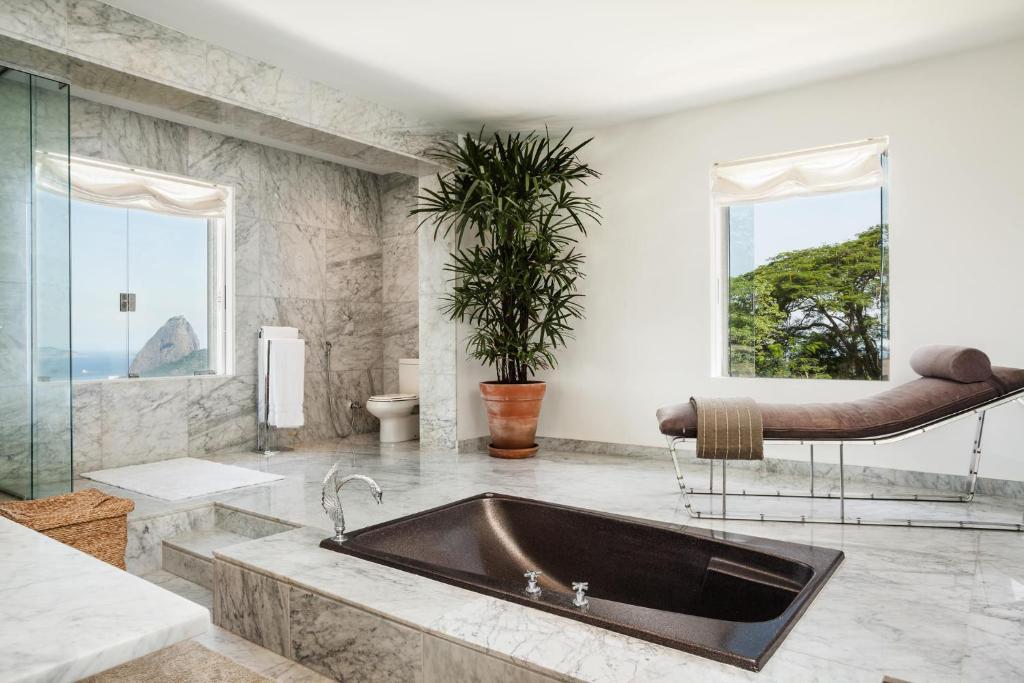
[{"x": 387, "y": 398}]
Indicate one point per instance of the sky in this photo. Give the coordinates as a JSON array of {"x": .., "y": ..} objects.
[
  {"x": 798, "y": 223},
  {"x": 162, "y": 259}
]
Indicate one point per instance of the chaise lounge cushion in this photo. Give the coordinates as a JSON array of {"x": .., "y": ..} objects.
[
  {"x": 900, "y": 409},
  {"x": 958, "y": 363}
]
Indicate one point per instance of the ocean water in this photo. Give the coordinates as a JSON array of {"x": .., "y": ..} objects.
[
  {"x": 53, "y": 364},
  {"x": 86, "y": 365},
  {"x": 99, "y": 364}
]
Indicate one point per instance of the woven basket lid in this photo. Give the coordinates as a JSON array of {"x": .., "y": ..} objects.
[{"x": 86, "y": 505}]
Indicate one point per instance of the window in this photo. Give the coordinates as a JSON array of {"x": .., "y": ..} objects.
[
  {"x": 805, "y": 267},
  {"x": 151, "y": 273}
]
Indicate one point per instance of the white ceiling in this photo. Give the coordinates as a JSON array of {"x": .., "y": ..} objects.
[{"x": 580, "y": 62}]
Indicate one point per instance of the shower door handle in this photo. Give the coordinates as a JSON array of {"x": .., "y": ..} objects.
[{"x": 126, "y": 300}]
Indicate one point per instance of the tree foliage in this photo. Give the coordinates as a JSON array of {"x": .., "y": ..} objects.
[
  {"x": 510, "y": 207},
  {"x": 811, "y": 313}
]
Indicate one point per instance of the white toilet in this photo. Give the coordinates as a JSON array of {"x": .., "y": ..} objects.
[{"x": 399, "y": 419}]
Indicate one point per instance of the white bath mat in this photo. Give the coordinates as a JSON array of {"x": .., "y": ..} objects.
[{"x": 180, "y": 478}]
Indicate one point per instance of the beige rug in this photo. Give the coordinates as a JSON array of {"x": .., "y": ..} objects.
[{"x": 186, "y": 662}]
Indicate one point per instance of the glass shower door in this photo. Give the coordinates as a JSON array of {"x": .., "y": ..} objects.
[
  {"x": 15, "y": 294},
  {"x": 35, "y": 322}
]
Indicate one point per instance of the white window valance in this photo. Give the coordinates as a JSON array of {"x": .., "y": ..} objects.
[
  {"x": 852, "y": 166},
  {"x": 118, "y": 186}
]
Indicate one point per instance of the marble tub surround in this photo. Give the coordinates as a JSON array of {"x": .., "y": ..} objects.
[
  {"x": 310, "y": 240},
  {"x": 340, "y": 639},
  {"x": 70, "y": 615},
  {"x": 917, "y": 604},
  {"x": 96, "y": 46}
]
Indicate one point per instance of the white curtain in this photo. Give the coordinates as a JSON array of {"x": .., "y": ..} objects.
[
  {"x": 110, "y": 185},
  {"x": 853, "y": 166}
]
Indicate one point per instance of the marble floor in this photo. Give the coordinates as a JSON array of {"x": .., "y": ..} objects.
[{"x": 916, "y": 604}]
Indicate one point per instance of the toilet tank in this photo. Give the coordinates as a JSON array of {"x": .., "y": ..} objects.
[{"x": 409, "y": 375}]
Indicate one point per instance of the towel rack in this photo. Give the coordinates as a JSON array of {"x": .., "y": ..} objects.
[{"x": 264, "y": 431}]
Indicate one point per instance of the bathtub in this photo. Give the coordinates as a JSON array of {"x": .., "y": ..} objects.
[{"x": 729, "y": 597}]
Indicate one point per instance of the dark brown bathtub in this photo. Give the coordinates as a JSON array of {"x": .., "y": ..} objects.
[{"x": 726, "y": 596}]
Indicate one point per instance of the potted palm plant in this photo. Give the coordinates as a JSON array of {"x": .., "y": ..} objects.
[{"x": 510, "y": 209}]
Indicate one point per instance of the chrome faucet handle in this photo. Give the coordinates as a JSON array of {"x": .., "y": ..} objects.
[
  {"x": 531, "y": 587},
  {"x": 580, "y": 588}
]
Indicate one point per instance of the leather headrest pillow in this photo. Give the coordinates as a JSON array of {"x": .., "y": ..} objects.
[{"x": 958, "y": 363}]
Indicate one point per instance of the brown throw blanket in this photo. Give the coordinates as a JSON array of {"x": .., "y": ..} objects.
[{"x": 729, "y": 428}]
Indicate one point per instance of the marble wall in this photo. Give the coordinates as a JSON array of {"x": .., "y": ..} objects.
[
  {"x": 132, "y": 60},
  {"x": 110, "y": 37},
  {"x": 400, "y": 323},
  {"x": 318, "y": 246},
  {"x": 438, "y": 426}
]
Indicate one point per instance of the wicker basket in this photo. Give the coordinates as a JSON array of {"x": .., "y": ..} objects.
[{"x": 88, "y": 520}]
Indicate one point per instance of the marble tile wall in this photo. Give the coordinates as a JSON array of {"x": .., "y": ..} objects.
[
  {"x": 127, "y": 58},
  {"x": 318, "y": 246},
  {"x": 343, "y": 642},
  {"x": 400, "y": 323},
  {"x": 110, "y": 37},
  {"x": 437, "y": 341}
]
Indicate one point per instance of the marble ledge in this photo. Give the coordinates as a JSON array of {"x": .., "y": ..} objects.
[{"x": 77, "y": 615}]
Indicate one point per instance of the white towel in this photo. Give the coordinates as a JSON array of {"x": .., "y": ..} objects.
[
  {"x": 267, "y": 332},
  {"x": 271, "y": 332},
  {"x": 287, "y": 382}
]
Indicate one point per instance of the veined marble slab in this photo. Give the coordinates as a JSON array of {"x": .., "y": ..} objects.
[
  {"x": 332, "y": 593},
  {"x": 68, "y": 615},
  {"x": 180, "y": 478}
]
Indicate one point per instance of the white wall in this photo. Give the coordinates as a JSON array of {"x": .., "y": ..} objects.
[{"x": 957, "y": 242}]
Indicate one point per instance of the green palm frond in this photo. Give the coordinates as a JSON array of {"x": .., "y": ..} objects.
[{"x": 511, "y": 211}]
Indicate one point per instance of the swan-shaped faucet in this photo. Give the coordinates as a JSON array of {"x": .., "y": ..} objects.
[{"x": 330, "y": 497}]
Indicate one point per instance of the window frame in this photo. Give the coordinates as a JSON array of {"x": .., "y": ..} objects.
[
  {"x": 720, "y": 240},
  {"x": 220, "y": 277}
]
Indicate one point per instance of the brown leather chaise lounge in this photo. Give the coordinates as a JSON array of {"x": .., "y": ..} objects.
[{"x": 956, "y": 383}]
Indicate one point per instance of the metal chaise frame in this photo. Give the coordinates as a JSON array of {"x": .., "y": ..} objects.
[{"x": 965, "y": 497}]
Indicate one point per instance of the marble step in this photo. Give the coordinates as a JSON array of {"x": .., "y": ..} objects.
[
  {"x": 189, "y": 590},
  {"x": 190, "y": 554},
  {"x": 248, "y": 524}
]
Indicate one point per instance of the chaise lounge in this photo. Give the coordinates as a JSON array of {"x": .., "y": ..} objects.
[{"x": 956, "y": 383}]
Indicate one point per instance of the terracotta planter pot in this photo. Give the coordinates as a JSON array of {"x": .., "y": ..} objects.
[{"x": 512, "y": 413}]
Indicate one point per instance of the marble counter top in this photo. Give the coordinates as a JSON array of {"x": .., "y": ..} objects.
[{"x": 65, "y": 615}]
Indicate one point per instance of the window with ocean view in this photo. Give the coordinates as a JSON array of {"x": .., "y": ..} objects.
[{"x": 150, "y": 284}]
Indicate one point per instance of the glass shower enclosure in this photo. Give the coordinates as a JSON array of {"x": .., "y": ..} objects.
[{"x": 35, "y": 287}]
